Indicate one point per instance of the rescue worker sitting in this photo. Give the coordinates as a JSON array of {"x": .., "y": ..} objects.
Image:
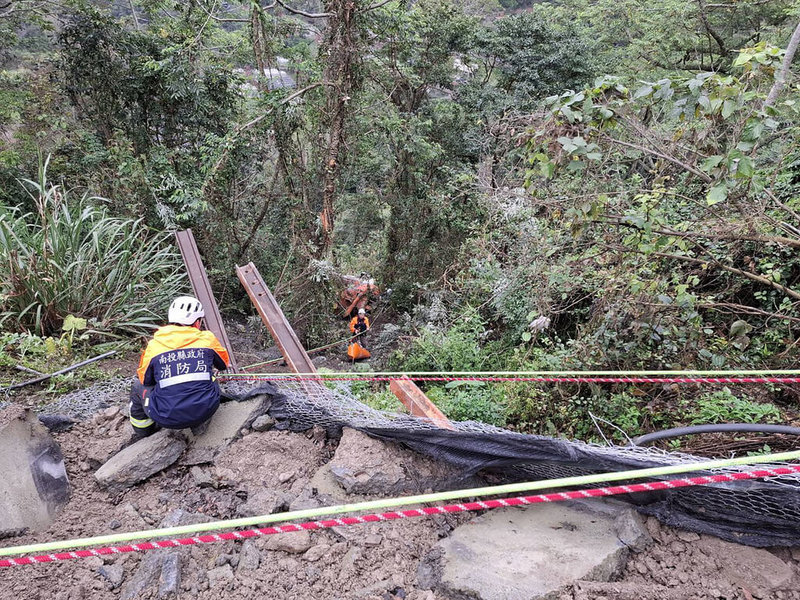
[
  {"x": 360, "y": 323},
  {"x": 175, "y": 386}
]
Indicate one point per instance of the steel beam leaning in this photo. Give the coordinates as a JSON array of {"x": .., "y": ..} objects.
[
  {"x": 202, "y": 289},
  {"x": 271, "y": 314},
  {"x": 417, "y": 403},
  {"x": 297, "y": 359}
]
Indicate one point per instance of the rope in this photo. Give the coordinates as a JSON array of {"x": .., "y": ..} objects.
[
  {"x": 532, "y": 379},
  {"x": 474, "y": 374},
  {"x": 405, "y": 514},
  {"x": 312, "y": 351},
  {"x": 313, "y": 513}
]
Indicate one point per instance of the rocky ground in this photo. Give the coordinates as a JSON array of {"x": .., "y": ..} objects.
[
  {"x": 245, "y": 468},
  {"x": 270, "y": 471}
]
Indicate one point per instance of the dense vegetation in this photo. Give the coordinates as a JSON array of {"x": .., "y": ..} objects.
[{"x": 549, "y": 185}]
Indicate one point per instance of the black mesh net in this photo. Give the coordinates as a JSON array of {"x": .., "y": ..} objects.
[{"x": 754, "y": 512}]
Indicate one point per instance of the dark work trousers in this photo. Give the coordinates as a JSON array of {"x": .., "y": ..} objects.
[{"x": 142, "y": 424}]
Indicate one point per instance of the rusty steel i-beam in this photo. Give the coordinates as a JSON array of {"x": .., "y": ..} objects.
[
  {"x": 202, "y": 290},
  {"x": 271, "y": 314}
]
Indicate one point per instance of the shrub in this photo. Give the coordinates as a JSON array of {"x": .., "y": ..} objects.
[
  {"x": 470, "y": 403},
  {"x": 724, "y": 407},
  {"x": 72, "y": 258}
]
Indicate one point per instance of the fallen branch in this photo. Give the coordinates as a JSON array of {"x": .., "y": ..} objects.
[
  {"x": 732, "y": 237},
  {"x": 719, "y": 265},
  {"x": 666, "y": 157},
  {"x": 61, "y": 372}
]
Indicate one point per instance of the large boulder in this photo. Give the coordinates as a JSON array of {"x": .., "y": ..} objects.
[
  {"x": 363, "y": 465},
  {"x": 532, "y": 553},
  {"x": 33, "y": 481},
  {"x": 139, "y": 461}
]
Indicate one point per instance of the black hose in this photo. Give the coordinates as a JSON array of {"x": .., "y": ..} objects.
[{"x": 719, "y": 428}]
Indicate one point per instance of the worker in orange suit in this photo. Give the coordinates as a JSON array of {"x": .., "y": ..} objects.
[
  {"x": 360, "y": 323},
  {"x": 175, "y": 386}
]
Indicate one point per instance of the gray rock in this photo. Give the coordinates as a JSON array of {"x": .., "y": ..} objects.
[
  {"x": 756, "y": 569},
  {"x": 263, "y": 423},
  {"x": 57, "y": 423},
  {"x": 305, "y": 500},
  {"x": 198, "y": 456},
  {"x": 146, "y": 575},
  {"x": 687, "y": 536},
  {"x": 363, "y": 465},
  {"x": 114, "y": 574},
  {"x": 179, "y": 517},
  {"x": 632, "y": 531},
  {"x": 429, "y": 569},
  {"x": 262, "y": 502},
  {"x": 33, "y": 481},
  {"x": 249, "y": 557},
  {"x": 169, "y": 584},
  {"x": 230, "y": 419},
  {"x": 316, "y": 552},
  {"x": 295, "y": 542},
  {"x": 220, "y": 576},
  {"x": 312, "y": 574},
  {"x": 139, "y": 461},
  {"x": 202, "y": 478},
  {"x": 286, "y": 476},
  {"x": 373, "y": 540},
  {"x": 554, "y": 545},
  {"x": 374, "y": 589}
]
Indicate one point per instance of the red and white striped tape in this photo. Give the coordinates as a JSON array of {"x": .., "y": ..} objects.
[{"x": 404, "y": 514}]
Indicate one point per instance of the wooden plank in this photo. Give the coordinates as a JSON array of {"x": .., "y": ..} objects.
[
  {"x": 203, "y": 292},
  {"x": 271, "y": 314},
  {"x": 417, "y": 403}
]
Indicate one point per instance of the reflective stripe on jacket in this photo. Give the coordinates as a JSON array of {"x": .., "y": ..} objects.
[{"x": 178, "y": 363}]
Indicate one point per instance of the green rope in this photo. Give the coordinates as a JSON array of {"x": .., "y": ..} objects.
[{"x": 386, "y": 503}]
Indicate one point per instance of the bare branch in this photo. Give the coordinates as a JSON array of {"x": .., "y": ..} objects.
[
  {"x": 666, "y": 157},
  {"x": 375, "y": 6},
  {"x": 781, "y": 75},
  {"x": 135, "y": 17},
  {"x": 253, "y": 122},
  {"x": 295, "y": 11},
  {"x": 732, "y": 237},
  {"x": 710, "y": 30},
  {"x": 222, "y": 20},
  {"x": 747, "y": 310},
  {"x": 734, "y": 5},
  {"x": 747, "y": 274}
]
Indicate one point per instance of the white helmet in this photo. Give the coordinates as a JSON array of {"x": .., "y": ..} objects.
[
  {"x": 361, "y": 311},
  {"x": 185, "y": 310}
]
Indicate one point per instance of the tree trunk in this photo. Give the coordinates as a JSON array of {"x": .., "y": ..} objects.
[
  {"x": 343, "y": 81},
  {"x": 780, "y": 78}
]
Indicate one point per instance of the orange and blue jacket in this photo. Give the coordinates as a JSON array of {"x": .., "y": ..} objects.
[
  {"x": 178, "y": 365},
  {"x": 359, "y": 324}
]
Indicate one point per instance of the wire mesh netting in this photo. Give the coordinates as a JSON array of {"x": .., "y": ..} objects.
[{"x": 756, "y": 512}]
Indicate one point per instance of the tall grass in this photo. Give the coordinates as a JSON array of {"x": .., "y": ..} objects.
[{"x": 71, "y": 257}]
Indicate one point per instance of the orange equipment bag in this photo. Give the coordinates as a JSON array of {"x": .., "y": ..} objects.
[{"x": 356, "y": 352}]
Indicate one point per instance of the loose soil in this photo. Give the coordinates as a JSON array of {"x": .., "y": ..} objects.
[{"x": 378, "y": 561}]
